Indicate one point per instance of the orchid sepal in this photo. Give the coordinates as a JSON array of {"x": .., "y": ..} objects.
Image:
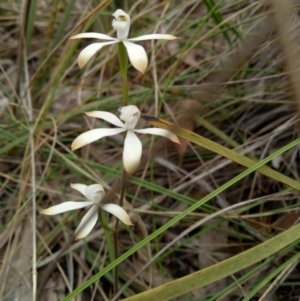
[
  {"x": 93, "y": 135},
  {"x": 154, "y": 36},
  {"x": 64, "y": 207},
  {"x": 159, "y": 132},
  {"x": 93, "y": 35}
]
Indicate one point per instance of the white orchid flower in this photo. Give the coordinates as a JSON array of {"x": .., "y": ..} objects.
[
  {"x": 132, "y": 145},
  {"x": 94, "y": 193},
  {"x": 136, "y": 53}
]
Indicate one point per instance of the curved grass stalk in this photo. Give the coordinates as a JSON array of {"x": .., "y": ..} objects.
[{"x": 218, "y": 271}]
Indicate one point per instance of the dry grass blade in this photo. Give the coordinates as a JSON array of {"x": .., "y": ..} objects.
[
  {"x": 230, "y": 81},
  {"x": 223, "y": 151},
  {"x": 286, "y": 24}
]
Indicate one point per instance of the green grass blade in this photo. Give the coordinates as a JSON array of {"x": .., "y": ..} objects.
[
  {"x": 221, "y": 150},
  {"x": 212, "y": 7},
  {"x": 30, "y": 22},
  {"x": 223, "y": 269},
  {"x": 271, "y": 276},
  {"x": 64, "y": 23},
  {"x": 280, "y": 242}
]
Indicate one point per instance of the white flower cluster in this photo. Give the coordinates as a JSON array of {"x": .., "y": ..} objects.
[{"x": 126, "y": 123}]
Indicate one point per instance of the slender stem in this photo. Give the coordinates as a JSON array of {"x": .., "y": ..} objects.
[
  {"x": 28, "y": 105},
  {"x": 123, "y": 188},
  {"x": 116, "y": 271},
  {"x": 123, "y": 66}
]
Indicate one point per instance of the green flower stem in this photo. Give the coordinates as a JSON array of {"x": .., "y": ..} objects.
[
  {"x": 103, "y": 224},
  {"x": 123, "y": 188},
  {"x": 123, "y": 66},
  {"x": 116, "y": 270}
]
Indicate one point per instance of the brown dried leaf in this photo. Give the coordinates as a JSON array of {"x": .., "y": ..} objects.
[
  {"x": 186, "y": 121},
  {"x": 286, "y": 221}
]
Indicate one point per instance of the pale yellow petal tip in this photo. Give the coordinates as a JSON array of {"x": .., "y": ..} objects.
[
  {"x": 128, "y": 221},
  {"x": 176, "y": 140},
  {"x": 173, "y": 138},
  {"x": 79, "y": 237},
  {"x": 44, "y": 212},
  {"x": 131, "y": 169},
  {"x": 141, "y": 69},
  {"x": 77, "y": 36},
  {"x": 75, "y": 145},
  {"x": 81, "y": 63},
  {"x": 82, "y": 60}
]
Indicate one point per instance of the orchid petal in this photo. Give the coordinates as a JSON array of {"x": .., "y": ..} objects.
[
  {"x": 79, "y": 187},
  {"x": 93, "y": 35},
  {"x": 154, "y": 36},
  {"x": 87, "y": 223},
  {"x": 93, "y": 135},
  {"x": 132, "y": 152},
  {"x": 109, "y": 117},
  {"x": 86, "y": 54},
  {"x": 118, "y": 212},
  {"x": 95, "y": 193},
  {"x": 64, "y": 207},
  {"x": 159, "y": 132},
  {"x": 137, "y": 56}
]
